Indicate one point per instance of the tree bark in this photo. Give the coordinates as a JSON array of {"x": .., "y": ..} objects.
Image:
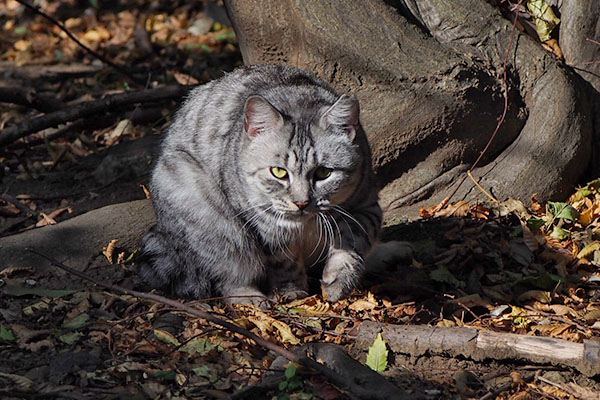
[{"x": 428, "y": 74}]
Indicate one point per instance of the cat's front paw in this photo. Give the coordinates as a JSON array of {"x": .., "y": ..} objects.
[
  {"x": 287, "y": 295},
  {"x": 248, "y": 295},
  {"x": 341, "y": 274}
]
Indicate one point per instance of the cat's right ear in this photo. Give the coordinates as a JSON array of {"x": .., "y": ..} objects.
[{"x": 260, "y": 115}]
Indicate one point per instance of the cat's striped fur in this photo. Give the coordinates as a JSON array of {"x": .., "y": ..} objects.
[{"x": 227, "y": 225}]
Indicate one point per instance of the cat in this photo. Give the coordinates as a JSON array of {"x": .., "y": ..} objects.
[{"x": 264, "y": 174}]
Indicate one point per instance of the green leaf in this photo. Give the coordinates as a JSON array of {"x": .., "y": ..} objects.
[
  {"x": 70, "y": 338},
  {"x": 198, "y": 345},
  {"x": 76, "y": 322},
  {"x": 165, "y": 375},
  {"x": 441, "y": 274},
  {"x": 377, "y": 355},
  {"x": 559, "y": 233},
  {"x": 6, "y": 335},
  {"x": 534, "y": 224},
  {"x": 282, "y": 385},
  {"x": 562, "y": 210},
  {"x": 166, "y": 337},
  {"x": 18, "y": 291},
  {"x": 290, "y": 371}
]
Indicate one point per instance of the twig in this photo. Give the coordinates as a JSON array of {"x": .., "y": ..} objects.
[
  {"x": 304, "y": 359},
  {"x": 24, "y": 209},
  {"x": 12, "y": 133},
  {"x": 481, "y": 187},
  {"x": 83, "y": 46}
]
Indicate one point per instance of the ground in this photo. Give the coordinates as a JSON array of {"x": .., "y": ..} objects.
[{"x": 495, "y": 267}]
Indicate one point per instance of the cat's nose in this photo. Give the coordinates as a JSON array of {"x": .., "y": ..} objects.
[{"x": 301, "y": 204}]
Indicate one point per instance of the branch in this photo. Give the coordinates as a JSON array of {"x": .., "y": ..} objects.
[
  {"x": 82, "y": 110},
  {"x": 28, "y": 97},
  {"x": 83, "y": 46},
  {"x": 481, "y": 345},
  {"x": 303, "y": 359}
]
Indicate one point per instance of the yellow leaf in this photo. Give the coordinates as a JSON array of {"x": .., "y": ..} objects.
[
  {"x": 109, "y": 250},
  {"x": 539, "y": 295},
  {"x": 166, "y": 337},
  {"x": 586, "y": 217},
  {"x": 285, "y": 332},
  {"x": 22, "y": 45},
  {"x": 544, "y": 17},
  {"x": 362, "y": 304},
  {"x": 589, "y": 249}
]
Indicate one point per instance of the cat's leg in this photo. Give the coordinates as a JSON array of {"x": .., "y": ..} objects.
[
  {"x": 287, "y": 277},
  {"x": 356, "y": 234}
]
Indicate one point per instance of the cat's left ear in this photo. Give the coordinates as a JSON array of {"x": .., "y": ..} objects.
[
  {"x": 260, "y": 115},
  {"x": 344, "y": 113}
]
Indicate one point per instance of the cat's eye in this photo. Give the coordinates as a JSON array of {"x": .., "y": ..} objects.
[
  {"x": 279, "y": 173},
  {"x": 322, "y": 173}
]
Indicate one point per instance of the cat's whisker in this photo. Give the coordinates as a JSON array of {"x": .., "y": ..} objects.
[
  {"x": 318, "y": 221},
  {"x": 250, "y": 209},
  {"x": 337, "y": 227},
  {"x": 345, "y": 213},
  {"x": 322, "y": 235}
]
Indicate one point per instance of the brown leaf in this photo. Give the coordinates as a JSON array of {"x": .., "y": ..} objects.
[
  {"x": 13, "y": 269},
  {"x": 109, "y": 249},
  {"x": 362, "y": 304}
]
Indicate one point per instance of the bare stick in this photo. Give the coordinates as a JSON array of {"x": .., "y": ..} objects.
[
  {"x": 108, "y": 103},
  {"x": 337, "y": 379},
  {"x": 83, "y": 46}
]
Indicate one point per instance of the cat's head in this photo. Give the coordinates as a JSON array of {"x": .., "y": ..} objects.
[{"x": 297, "y": 166}]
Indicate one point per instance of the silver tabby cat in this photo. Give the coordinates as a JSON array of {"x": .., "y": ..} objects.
[{"x": 264, "y": 174}]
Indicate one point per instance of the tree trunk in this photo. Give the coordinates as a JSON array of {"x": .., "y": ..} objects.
[{"x": 428, "y": 74}]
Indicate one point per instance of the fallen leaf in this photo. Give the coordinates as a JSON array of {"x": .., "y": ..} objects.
[
  {"x": 377, "y": 355},
  {"x": 544, "y": 17},
  {"x": 109, "y": 249},
  {"x": 166, "y": 337},
  {"x": 77, "y": 322},
  {"x": 362, "y": 305},
  {"x": 589, "y": 249},
  {"x": 6, "y": 335}
]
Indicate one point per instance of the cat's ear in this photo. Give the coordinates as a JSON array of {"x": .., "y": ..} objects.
[
  {"x": 344, "y": 113},
  {"x": 260, "y": 115}
]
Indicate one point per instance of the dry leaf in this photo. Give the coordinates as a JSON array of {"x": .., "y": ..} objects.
[
  {"x": 109, "y": 250},
  {"x": 13, "y": 269},
  {"x": 146, "y": 191},
  {"x": 185, "y": 79},
  {"x": 362, "y": 304}
]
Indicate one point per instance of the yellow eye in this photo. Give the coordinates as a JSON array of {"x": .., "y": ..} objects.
[
  {"x": 322, "y": 173},
  {"x": 279, "y": 173}
]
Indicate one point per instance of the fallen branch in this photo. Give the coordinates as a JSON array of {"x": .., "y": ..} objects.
[
  {"x": 108, "y": 103},
  {"x": 30, "y": 98},
  {"x": 481, "y": 345},
  {"x": 304, "y": 358}
]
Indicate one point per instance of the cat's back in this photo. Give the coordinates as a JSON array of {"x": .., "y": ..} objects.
[{"x": 223, "y": 100}]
